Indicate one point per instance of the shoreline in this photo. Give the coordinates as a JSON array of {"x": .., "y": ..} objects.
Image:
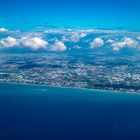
[{"x": 75, "y": 88}]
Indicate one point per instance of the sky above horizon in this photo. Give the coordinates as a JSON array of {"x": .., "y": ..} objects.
[{"x": 105, "y": 14}]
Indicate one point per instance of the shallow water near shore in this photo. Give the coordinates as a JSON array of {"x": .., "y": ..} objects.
[{"x": 32, "y": 112}]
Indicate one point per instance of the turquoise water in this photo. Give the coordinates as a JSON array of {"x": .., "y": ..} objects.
[{"x": 29, "y": 112}]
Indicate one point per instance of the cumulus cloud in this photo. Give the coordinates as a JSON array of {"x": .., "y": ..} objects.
[
  {"x": 131, "y": 42},
  {"x": 117, "y": 45},
  {"x": 31, "y": 43},
  {"x": 67, "y": 35},
  {"x": 34, "y": 43},
  {"x": 2, "y": 30},
  {"x": 55, "y": 40},
  {"x": 58, "y": 46},
  {"x": 127, "y": 42},
  {"x": 110, "y": 41},
  {"x": 8, "y": 42},
  {"x": 98, "y": 42},
  {"x": 74, "y": 36}
]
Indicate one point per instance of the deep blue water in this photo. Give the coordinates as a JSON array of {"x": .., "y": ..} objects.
[{"x": 29, "y": 112}]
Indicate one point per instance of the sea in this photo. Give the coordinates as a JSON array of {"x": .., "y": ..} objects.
[{"x": 38, "y": 112}]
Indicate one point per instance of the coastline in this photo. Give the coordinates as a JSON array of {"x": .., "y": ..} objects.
[{"x": 74, "y": 88}]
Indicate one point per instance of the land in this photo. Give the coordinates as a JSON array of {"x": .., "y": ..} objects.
[{"x": 90, "y": 70}]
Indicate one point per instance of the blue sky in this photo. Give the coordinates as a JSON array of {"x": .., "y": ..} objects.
[{"x": 108, "y": 14}]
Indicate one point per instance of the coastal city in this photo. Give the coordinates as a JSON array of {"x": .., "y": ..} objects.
[
  {"x": 92, "y": 71},
  {"x": 69, "y": 69}
]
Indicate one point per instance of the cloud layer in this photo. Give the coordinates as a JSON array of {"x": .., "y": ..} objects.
[{"x": 68, "y": 39}]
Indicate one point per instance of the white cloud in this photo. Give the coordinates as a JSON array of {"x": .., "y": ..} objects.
[
  {"x": 131, "y": 42},
  {"x": 116, "y": 49},
  {"x": 67, "y": 35},
  {"x": 44, "y": 39},
  {"x": 82, "y": 35},
  {"x": 75, "y": 36},
  {"x": 98, "y": 42},
  {"x": 127, "y": 42},
  {"x": 138, "y": 38},
  {"x": 8, "y": 42},
  {"x": 58, "y": 46},
  {"x": 2, "y": 30},
  {"x": 110, "y": 41},
  {"x": 118, "y": 45},
  {"x": 34, "y": 43}
]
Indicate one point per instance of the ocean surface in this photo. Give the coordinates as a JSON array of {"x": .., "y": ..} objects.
[{"x": 30, "y": 112}]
